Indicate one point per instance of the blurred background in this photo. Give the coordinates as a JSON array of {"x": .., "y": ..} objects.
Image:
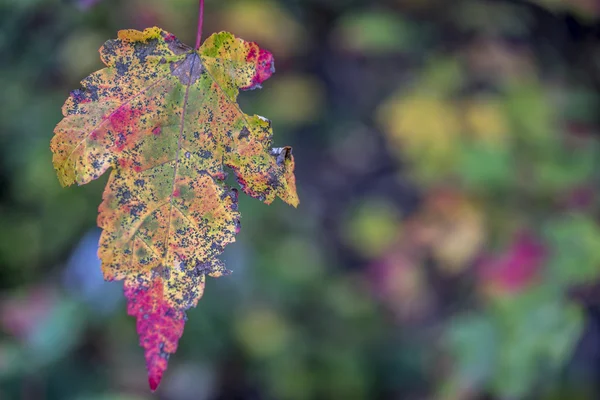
[{"x": 447, "y": 245}]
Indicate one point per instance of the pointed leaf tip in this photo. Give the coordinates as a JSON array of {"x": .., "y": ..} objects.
[
  {"x": 154, "y": 381},
  {"x": 159, "y": 325}
]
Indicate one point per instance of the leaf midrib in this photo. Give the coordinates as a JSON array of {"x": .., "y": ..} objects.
[{"x": 179, "y": 146}]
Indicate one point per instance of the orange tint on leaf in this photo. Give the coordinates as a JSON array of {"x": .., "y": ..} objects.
[
  {"x": 452, "y": 227},
  {"x": 164, "y": 117}
]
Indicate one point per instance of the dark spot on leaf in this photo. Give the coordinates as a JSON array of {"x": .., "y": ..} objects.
[
  {"x": 123, "y": 195},
  {"x": 121, "y": 68},
  {"x": 273, "y": 180},
  {"x": 205, "y": 154},
  {"x": 93, "y": 92},
  {"x": 244, "y": 133},
  {"x": 169, "y": 312},
  {"x": 137, "y": 209},
  {"x": 143, "y": 50},
  {"x": 78, "y": 95}
]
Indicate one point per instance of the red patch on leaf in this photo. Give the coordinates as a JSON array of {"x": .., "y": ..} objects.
[
  {"x": 123, "y": 121},
  {"x": 159, "y": 326},
  {"x": 265, "y": 66},
  {"x": 156, "y": 131},
  {"x": 176, "y": 193},
  {"x": 122, "y": 117},
  {"x": 252, "y": 53},
  {"x": 517, "y": 268},
  {"x": 169, "y": 37}
]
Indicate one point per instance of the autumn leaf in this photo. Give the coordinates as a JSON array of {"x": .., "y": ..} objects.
[
  {"x": 164, "y": 117},
  {"x": 515, "y": 270},
  {"x": 429, "y": 143},
  {"x": 452, "y": 227}
]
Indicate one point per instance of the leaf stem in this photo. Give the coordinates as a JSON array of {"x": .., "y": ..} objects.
[{"x": 200, "y": 21}]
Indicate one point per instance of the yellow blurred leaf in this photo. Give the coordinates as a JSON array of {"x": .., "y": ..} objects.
[
  {"x": 424, "y": 127},
  {"x": 485, "y": 120},
  {"x": 453, "y": 227}
]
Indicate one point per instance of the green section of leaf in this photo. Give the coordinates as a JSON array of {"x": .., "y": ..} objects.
[
  {"x": 561, "y": 169},
  {"x": 517, "y": 339},
  {"x": 539, "y": 331},
  {"x": 574, "y": 241},
  {"x": 473, "y": 340},
  {"x": 483, "y": 167}
]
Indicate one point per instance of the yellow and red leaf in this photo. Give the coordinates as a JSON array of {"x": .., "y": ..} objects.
[{"x": 164, "y": 117}]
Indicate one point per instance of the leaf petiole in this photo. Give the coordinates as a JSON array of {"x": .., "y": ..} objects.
[{"x": 200, "y": 21}]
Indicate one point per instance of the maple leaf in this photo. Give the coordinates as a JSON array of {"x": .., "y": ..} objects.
[{"x": 164, "y": 117}]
